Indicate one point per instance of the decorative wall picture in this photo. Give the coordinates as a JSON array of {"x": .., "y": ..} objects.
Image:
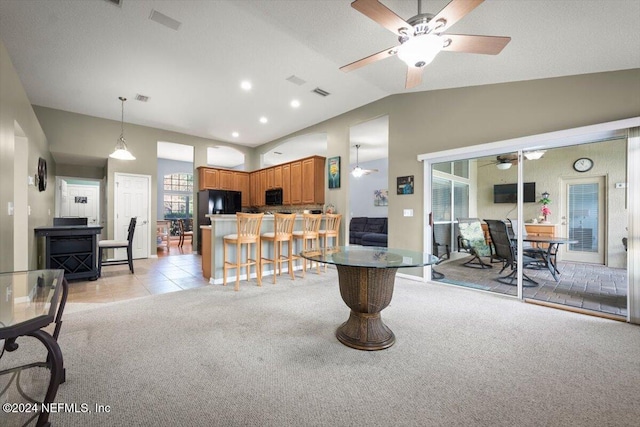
[
  {"x": 405, "y": 184},
  {"x": 381, "y": 198},
  {"x": 334, "y": 172},
  {"x": 81, "y": 199}
]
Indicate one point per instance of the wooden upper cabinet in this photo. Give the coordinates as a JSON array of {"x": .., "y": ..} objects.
[
  {"x": 313, "y": 180},
  {"x": 243, "y": 185},
  {"x": 286, "y": 184},
  {"x": 208, "y": 179},
  {"x": 262, "y": 181},
  {"x": 270, "y": 178},
  {"x": 227, "y": 180},
  {"x": 253, "y": 188},
  {"x": 277, "y": 177},
  {"x": 296, "y": 183}
]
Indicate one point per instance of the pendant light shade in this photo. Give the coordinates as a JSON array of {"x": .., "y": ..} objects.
[{"x": 121, "y": 152}]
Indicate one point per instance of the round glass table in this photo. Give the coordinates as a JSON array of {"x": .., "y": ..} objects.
[{"x": 366, "y": 276}]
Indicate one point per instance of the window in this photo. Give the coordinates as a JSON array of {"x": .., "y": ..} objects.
[{"x": 178, "y": 196}]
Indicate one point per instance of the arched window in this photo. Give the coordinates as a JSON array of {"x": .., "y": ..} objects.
[{"x": 178, "y": 195}]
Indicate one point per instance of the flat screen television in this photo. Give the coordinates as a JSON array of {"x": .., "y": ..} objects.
[{"x": 508, "y": 193}]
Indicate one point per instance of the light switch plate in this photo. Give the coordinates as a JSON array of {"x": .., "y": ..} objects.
[{"x": 408, "y": 212}]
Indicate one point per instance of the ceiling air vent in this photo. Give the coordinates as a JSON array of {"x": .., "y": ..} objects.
[
  {"x": 295, "y": 80},
  {"x": 142, "y": 98},
  {"x": 115, "y": 2},
  {"x": 163, "y": 19},
  {"x": 320, "y": 92}
]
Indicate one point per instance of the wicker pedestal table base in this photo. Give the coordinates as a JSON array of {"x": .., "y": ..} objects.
[{"x": 366, "y": 291}]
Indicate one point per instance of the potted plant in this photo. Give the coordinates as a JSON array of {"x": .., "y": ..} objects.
[{"x": 545, "y": 210}]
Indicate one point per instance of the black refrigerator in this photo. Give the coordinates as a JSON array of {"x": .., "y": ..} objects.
[{"x": 216, "y": 202}]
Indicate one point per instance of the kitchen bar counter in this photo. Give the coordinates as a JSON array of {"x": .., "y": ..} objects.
[{"x": 221, "y": 225}]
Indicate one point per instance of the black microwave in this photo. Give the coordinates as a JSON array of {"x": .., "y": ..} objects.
[{"x": 273, "y": 197}]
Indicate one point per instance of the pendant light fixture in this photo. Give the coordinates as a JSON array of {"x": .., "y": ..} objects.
[
  {"x": 121, "y": 152},
  {"x": 357, "y": 172}
]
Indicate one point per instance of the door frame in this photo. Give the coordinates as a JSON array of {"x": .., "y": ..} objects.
[
  {"x": 629, "y": 128},
  {"x": 116, "y": 176}
]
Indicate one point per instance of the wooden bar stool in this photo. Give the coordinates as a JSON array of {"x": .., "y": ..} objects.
[
  {"x": 310, "y": 227},
  {"x": 331, "y": 229},
  {"x": 248, "y": 233},
  {"x": 282, "y": 232}
]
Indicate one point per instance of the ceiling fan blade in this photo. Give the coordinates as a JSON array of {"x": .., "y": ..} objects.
[
  {"x": 489, "y": 45},
  {"x": 381, "y": 14},
  {"x": 452, "y": 13},
  {"x": 369, "y": 59},
  {"x": 414, "y": 77}
]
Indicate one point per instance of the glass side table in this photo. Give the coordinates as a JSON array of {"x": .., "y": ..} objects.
[
  {"x": 366, "y": 275},
  {"x": 30, "y": 301}
]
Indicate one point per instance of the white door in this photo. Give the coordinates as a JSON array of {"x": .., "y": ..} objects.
[
  {"x": 81, "y": 201},
  {"x": 584, "y": 219},
  {"x": 132, "y": 198}
]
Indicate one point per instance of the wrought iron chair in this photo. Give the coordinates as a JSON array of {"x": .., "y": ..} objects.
[
  {"x": 186, "y": 229},
  {"x": 527, "y": 248},
  {"x": 471, "y": 239},
  {"x": 506, "y": 250},
  {"x": 116, "y": 244}
]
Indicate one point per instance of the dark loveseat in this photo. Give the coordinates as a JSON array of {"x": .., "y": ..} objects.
[{"x": 367, "y": 231}]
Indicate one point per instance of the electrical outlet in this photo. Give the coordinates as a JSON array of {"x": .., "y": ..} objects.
[{"x": 408, "y": 212}]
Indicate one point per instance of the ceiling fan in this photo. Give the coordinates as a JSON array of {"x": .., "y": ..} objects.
[
  {"x": 422, "y": 36},
  {"x": 357, "y": 172}
]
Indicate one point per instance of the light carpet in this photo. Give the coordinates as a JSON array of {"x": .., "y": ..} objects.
[{"x": 268, "y": 357}]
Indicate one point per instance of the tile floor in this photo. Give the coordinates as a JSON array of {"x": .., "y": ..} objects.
[
  {"x": 587, "y": 286},
  {"x": 175, "y": 269}
]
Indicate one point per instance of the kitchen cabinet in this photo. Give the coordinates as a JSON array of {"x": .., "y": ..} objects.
[
  {"x": 226, "y": 180},
  {"x": 313, "y": 180},
  {"x": 243, "y": 185},
  {"x": 277, "y": 177},
  {"x": 296, "y": 183},
  {"x": 208, "y": 178},
  {"x": 262, "y": 181},
  {"x": 270, "y": 178},
  {"x": 254, "y": 187},
  {"x": 286, "y": 184}
]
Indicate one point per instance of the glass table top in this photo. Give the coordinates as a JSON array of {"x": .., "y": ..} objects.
[
  {"x": 27, "y": 295},
  {"x": 370, "y": 256}
]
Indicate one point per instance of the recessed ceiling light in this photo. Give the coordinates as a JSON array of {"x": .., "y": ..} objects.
[
  {"x": 235, "y": 134},
  {"x": 263, "y": 119},
  {"x": 295, "y": 103},
  {"x": 246, "y": 85}
]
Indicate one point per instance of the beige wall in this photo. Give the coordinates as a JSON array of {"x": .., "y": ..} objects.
[
  {"x": 17, "y": 118},
  {"x": 426, "y": 122},
  {"x": 548, "y": 174},
  {"x": 67, "y": 131}
]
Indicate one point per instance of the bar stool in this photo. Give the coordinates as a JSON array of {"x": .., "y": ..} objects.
[
  {"x": 282, "y": 232},
  {"x": 310, "y": 227},
  {"x": 248, "y": 233},
  {"x": 331, "y": 229}
]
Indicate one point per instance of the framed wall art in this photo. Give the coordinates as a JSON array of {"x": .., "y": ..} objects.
[
  {"x": 333, "y": 169},
  {"x": 405, "y": 184}
]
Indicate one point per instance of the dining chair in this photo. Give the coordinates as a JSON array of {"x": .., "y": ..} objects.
[
  {"x": 308, "y": 235},
  {"x": 527, "y": 248},
  {"x": 118, "y": 244},
  {"x": 282, "y": 232},
  {"x": 331, "y": 230},
  {"x": 248, "y": 233},
  {"x": 506, "y": 250},
  {"x": 186, "y": 229},
  {"x": 471, "y": 239}
]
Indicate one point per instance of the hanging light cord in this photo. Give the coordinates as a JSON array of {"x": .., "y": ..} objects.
[{"x": 122, "y": 118}]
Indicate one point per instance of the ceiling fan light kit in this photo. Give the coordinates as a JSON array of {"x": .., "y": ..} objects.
[
  {"x": 534, "y": 155},
  {"x": 503, "y": 166},
  {"x": 121, "y": 152},
  {"x": 421, "y": 37}
]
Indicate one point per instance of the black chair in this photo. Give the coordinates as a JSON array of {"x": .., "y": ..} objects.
[
  {"x": 527, "y": 248},
  {"x": 506, "y": 250},
  {"x": 186, "y": 229},
  {"x": 116, "y": 244},
  {"x": 436, "y": 275}
]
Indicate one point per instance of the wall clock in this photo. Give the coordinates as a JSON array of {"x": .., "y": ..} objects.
[
  {"x": 583, "y": 164},
  {"x": 42, "y": 174}
]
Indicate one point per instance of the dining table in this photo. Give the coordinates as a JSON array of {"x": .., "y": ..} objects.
[
  {"x": 366, "y": 277},
  {"x": 552, "y": 246}
]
